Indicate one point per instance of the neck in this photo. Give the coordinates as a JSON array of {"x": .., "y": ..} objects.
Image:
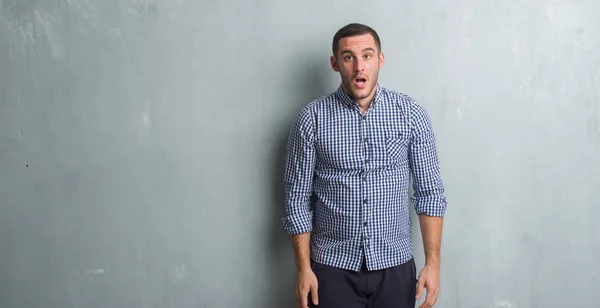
[{"x": 363, "y": 103}]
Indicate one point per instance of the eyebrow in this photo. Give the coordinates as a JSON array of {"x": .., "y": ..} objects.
[{"x": 366, "y": 49}]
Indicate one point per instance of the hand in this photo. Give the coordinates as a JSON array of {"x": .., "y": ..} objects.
[
  {"x": 429, "y": 278},
  {"x": 307, "y": 282}
]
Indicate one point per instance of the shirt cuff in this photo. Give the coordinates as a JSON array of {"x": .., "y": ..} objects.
[
  {"x": 298, "y": 223},
  {"x": 430, "y": 205}
]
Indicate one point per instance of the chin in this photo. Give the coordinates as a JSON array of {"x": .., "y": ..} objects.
[
  {"x": 358, "y": 93},
  {"x": 362, "y": 93}
]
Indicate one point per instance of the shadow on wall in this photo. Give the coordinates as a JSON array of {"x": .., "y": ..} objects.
[{"x": 309, "y": 83}]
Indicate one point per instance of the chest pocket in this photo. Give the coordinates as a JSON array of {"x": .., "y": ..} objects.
[{"x": 396, "y": 147}]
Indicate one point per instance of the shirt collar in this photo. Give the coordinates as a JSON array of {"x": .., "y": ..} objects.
[{"x": 346, "y": 99}]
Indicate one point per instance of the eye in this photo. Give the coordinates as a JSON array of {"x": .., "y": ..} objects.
[
  {"x": 367, "y": 57},
  {"x": 348, "y": 58}
]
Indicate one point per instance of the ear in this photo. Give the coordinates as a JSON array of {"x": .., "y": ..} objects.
[
  {"x": 334, "y": 65},
  {"x": 381, "y": 59}
]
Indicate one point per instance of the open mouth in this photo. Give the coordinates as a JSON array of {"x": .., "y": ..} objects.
[{"x": 360, "y": 81}]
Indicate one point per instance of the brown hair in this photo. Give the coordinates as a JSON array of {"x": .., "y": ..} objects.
[{"x": 353, "y": 29}]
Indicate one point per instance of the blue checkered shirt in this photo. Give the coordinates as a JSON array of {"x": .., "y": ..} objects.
[{"x": 358, "y": 166}]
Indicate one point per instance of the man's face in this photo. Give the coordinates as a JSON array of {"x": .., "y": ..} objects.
[{"x": 358, "y": 61}]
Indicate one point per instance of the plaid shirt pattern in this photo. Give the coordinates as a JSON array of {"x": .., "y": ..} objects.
[{"x": 359, "y": 166}]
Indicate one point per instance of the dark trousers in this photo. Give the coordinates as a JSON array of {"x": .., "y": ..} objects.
[{"x": 388, "y": 288}]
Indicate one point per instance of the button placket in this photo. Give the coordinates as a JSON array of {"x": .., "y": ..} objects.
[{"x": 365, "y": 188}]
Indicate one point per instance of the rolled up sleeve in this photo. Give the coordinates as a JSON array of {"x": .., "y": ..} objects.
[
  {"x": 299, "y": 173},
  {"x": 428, "y": 196}
]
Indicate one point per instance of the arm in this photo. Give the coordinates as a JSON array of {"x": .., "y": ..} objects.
[
  {"x": 301, "y": 246},
  {"x": 298, "y": 179},
  {"x": 297, "y": 221},
  {"x": 428, "y": 199},
  {"x": 431, "y": 231}
]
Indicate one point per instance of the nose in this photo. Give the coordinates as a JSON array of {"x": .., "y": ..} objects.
[{"x": 359, "y": 65}]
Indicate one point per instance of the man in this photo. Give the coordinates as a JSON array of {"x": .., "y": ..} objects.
[{"x": 355, "y": 150}]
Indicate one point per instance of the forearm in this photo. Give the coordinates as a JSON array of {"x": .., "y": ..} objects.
[
  {"x": 431, "y": 231},
  {"x": 301, "y": 245}
]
